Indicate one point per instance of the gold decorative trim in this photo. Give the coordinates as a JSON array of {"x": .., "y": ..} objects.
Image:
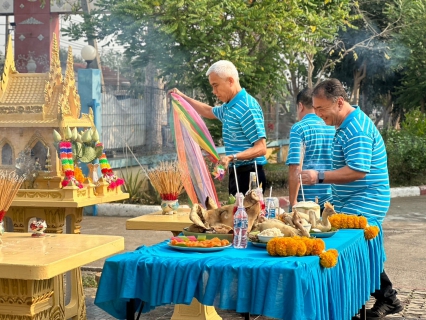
[
  {"x": 9, "y": 67},
  {"x": 36, "y": 137},
  {"x": 41, "y": 194}
]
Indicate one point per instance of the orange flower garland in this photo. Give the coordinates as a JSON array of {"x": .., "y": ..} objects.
[
  {"x": 371, "y": 232},
  {"x": 78, "y": 174},
  {"x": 350, "y": 221},
  {"x": 302, "y": 246},
  {"x": 328, "y": 259}
]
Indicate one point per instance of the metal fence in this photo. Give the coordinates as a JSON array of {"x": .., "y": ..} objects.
[
  {"x": 141, "y": 121},
  {"x": 136, "y": 120}
]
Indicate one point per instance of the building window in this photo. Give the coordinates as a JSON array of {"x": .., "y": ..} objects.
[{"x": 6, "y": 155}]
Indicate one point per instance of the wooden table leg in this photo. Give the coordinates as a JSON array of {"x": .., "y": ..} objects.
[
  {"x": 130, "y": 309},
  {"x": 195, "y": 311}
]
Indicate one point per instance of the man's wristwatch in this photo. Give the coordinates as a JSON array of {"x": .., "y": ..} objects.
[
  {"x": 234, "y": 158},
  {"x": 320, "y": 176}
]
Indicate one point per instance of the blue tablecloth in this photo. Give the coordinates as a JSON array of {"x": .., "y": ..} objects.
[{"x": 247, "y": 280}]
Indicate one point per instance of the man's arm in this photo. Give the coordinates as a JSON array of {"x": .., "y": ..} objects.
[
  {"x": 293, "y": 183},
  {"x": 339, "y": 176},
  {"x": 202, "y": 109},
  {"x": 258, "y": 149}
]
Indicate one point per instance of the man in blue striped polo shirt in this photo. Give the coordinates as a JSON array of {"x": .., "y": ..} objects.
[
  {"x": 310, "y": 145},
  {"x": 359, "y": 178},
  {"x": 243, "y": 129}
]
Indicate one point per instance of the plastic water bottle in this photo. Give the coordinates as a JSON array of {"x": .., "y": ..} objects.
[
  {"x": 240, "y": 224},
  {"x": 271, "y": 205}
]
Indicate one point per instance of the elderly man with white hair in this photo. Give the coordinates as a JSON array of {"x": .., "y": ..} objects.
[{"x": 243, "y": 129}]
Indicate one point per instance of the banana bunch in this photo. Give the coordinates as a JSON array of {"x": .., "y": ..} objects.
[{"x": 85, "y": 144}]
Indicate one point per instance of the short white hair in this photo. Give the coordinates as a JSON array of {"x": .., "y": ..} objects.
[{"x": 224, "y": 69}]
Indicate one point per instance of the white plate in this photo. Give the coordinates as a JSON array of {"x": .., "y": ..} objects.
[
  {"x": 198, "y": 249},
  {"x": 259, "y": 244},
  {"x": 323, "y": 234}
]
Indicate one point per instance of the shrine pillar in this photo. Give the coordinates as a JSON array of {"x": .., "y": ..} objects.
[{"x": 89, "y": 89}]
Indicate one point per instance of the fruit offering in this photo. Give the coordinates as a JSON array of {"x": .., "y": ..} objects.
[{"x": 200, "y": 241}]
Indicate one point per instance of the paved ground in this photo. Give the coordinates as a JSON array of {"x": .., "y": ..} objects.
[{"x": 405, "y": 241}]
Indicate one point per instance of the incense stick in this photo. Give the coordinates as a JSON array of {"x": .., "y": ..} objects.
[
  {"x": 301, "y": 187},
  {"x": 257, "y": 176},
  {"x": 167, "y": 179},
  {"x": 236, "y": 180}
]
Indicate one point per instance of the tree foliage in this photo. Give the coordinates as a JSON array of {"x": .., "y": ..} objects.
[
  {"x": 409, "y": 46},
  {"x": 184, "y": 37}
]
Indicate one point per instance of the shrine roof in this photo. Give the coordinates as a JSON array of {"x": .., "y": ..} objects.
[{"x": 25, "y": 89}]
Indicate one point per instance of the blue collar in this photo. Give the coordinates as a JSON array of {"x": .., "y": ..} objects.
[
  {"x": 235, "y": 99},
  {"x": 350, "y": 116}
]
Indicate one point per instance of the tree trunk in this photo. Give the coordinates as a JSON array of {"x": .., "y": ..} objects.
[
  {"x": 310, "y": 69},
  {"x": 155, "y": 106},
  {"x": 359, "y": 75},
  {"x": 387, "y": 110}
]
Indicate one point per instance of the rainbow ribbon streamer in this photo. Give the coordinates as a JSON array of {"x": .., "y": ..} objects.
[{"x": 191, "y": 135}]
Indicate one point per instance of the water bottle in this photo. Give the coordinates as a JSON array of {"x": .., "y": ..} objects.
[
  {"x": 240, "y": 224},
  {"x": 271, "y": 205}
]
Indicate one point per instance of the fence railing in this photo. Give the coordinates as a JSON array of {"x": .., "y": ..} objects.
[{"x": 140, "y": 121}]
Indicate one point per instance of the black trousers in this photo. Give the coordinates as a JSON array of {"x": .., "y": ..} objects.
[
  {"x": 386, "y": 292},
  {"x": 243, "y": 176}
]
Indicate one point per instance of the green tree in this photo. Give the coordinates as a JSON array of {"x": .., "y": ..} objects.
[
  {"x": 183, "y": 38},
  {"x": 409, "y": 46}
]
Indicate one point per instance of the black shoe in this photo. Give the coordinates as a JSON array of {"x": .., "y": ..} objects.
[
  {"x": 356, "y": 317},
  {"x": 382, "y": 308}
]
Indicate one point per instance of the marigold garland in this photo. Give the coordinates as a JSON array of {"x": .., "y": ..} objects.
[
  {"x": 66, "y": 155},
  {"x": 371, "y": 232},
  {"x": 78, "y": 174},
  {"x": 350, "y": 221},
  {"x": 328, "y": 259},
  {"x": 302, "y": 246},
  {"x": 107, "y": 173}
]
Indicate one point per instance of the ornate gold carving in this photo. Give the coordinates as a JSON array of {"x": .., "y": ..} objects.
[
  {"x": 9, "y": 65},
  {"x": 81, "y": 193},
  {"x": 42, "y": 194},
  {"x": 20, "y": 109},
  {"x": 69, "y": 100},
  {"x": 23, "y": 297},
  {"x": 36, "y": 137}
]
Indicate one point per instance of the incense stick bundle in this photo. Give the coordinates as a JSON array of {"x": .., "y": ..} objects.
[
  {"x": 10, "y": 183},
  {"x": 167, "y": 179}
]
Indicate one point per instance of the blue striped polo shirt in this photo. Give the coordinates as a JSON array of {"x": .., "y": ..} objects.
[
  {"x": 318, "y": 139},
  {"x": 359, "y": 145},
  {"x": 243, "y": 125}
]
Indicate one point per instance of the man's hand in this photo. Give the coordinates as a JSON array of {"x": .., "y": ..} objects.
[
  {"x": 175, "y": 90},
  {"x": 309, "y": 177},
  {"x": 224, "y": 160}
]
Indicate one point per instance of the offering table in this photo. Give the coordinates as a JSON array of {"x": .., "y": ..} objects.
[
  {"x": 247, "y": 280},
  {"x": 161, "y": 222},
  {"x": 31, "y": 273}
]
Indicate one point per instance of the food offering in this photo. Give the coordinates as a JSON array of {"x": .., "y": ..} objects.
[{"x": 198, "y": 244}]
